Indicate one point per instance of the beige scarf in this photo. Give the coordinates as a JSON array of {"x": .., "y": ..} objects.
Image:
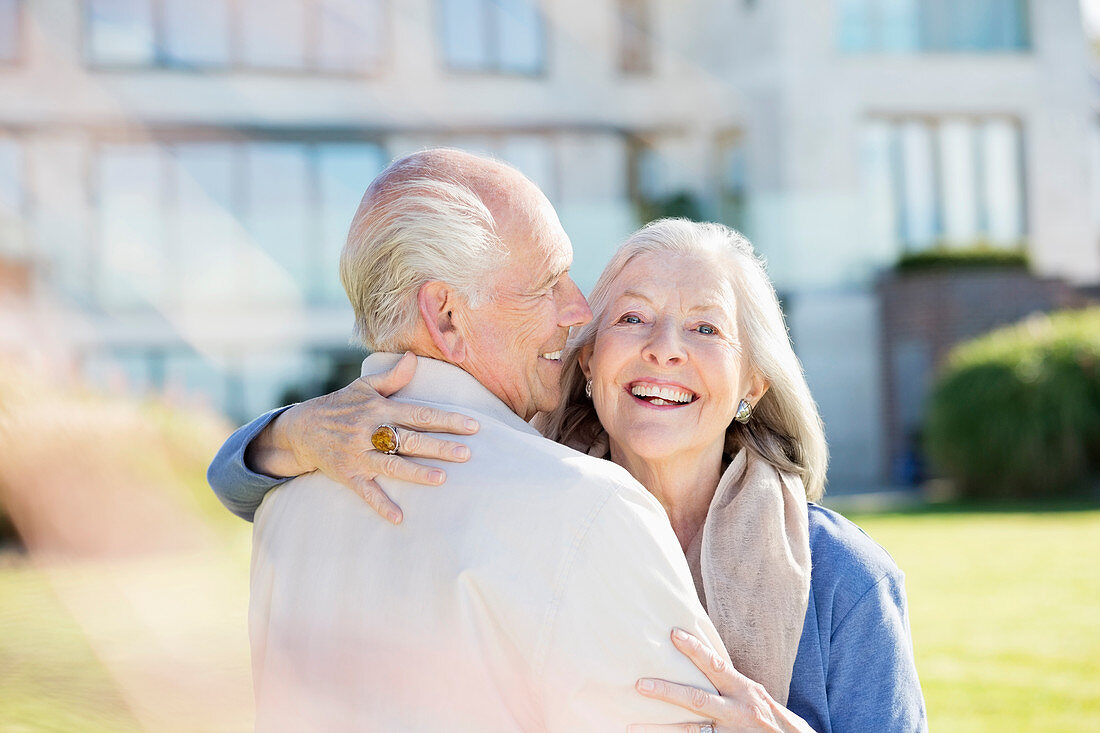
[{"x": 751, "y": 565}]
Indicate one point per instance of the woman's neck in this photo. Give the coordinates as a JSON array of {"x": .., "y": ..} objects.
[{"x": 684, "y": 484}]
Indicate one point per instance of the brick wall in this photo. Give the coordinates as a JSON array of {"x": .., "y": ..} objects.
[{"x": 923, "y": 315}]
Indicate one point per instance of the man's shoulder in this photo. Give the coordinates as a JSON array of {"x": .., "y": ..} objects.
[{"x": 533, "y": 459}]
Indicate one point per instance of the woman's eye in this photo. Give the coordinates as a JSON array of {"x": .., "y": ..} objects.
[
  {"x": 706, "y": 329},
  {"x": 630, "y": 318}
]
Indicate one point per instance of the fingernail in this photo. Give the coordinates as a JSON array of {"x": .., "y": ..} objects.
[
  {"x": 436, "y": 477},
  {"x": 395, "y": 517},
  {"x": 645, "y": 685},
  {"x": 680, "y": 634},
  {"x": 471, "y": 424},
  {"x": 461, "y": 451}
]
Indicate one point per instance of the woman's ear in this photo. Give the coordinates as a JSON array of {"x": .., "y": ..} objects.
[
  {"x": 437, "y": 303},
  {"x": 583, "y": 356},
  {"x": 758, "y": 387}
]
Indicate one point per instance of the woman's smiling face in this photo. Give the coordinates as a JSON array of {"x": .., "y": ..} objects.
[{"x": 666, "y": 365}]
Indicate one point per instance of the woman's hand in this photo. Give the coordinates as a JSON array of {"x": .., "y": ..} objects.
[
  {"x": 331, "y": 434},
  {"x": 743, "y": 705}
]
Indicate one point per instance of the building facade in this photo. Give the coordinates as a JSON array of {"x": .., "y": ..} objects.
[{"x": 177, "y": 178}]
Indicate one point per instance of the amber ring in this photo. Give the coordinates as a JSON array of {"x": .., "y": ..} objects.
[{"x": 385, "y": 439}]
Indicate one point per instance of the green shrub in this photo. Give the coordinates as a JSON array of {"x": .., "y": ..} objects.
[
  {"x": 1016, "y": 412},
  {"x": 681, "y": 205},
  {"x": 980, "y": 255}
]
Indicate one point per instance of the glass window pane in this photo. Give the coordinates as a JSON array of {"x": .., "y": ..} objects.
[
  {"x": 518, "y": 26},
  {"x": 959, "y": 183},
  {"x": 345, "y": 171},
  {"x": 900, "y": 30},
  {"x": 853, "y": 25},
  {"x": 196, "y": 33},
  {"x": 918, "y": 186},
  {"x": 208, "y": 234},
  {"x": 9, "y": 30},
  {"x": 880, "y": 184},
  {"x": 131, "y": 267},
  {"x": 465, "y": 42},
  {"x": 1003, "y": 182},
  {"x": 12, "y": 241},
  {"x": 273, "y": 33},
  {"x": 350, "y": 35},
  {"x": 277, "y": 203},
  {"x": 121, "y": 32}
]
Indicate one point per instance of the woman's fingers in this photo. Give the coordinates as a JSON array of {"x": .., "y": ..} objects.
[
  {"x": 691, "y": 698},
  {"x": 431, "y": 420},
  {"x": 398, "y": 467},
  {"x": 372, "y": 493},
  {"x": 720, "y": 673},
  {"x": 417, "y": 444},
  {"x": 387, "y": 382},
  {"x": 417, "y": 417}
]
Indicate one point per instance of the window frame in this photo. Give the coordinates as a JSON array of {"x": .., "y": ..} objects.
[
  {"x": 495, "y": 68},
  {"x": 18, "y": 56},
  {"x": 235, "y": 62}
]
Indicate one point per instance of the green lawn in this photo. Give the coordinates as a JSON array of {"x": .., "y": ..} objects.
[{"x": 1005, "y": 613}]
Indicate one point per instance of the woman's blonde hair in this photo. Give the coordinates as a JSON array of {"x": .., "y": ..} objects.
[{"x": 785, "y": 428}]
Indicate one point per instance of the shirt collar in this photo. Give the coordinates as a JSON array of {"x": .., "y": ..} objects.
[{"x": 441, "y": 382}]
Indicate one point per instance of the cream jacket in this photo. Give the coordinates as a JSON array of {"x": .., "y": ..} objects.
[{"x": 529, "y": 592}]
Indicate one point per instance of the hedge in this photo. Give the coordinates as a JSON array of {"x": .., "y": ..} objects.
[
  {"x": 983, "y": 256},
  {"x": 1016, "y": 412}
]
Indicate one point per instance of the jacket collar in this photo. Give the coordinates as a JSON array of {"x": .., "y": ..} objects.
[{"x": 440, "y": 382}]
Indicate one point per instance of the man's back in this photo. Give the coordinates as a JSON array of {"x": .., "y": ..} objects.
[{"x": 527, "y": 593}]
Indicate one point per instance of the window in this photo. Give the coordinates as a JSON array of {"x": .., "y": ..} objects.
[
  {"x": 120, "y": 32},
  {"x": 636, "y": 48},
  {"x": 932, "y": 25},
  {"x": 949, "y": 182},
  {"x": 195, "y": 34},
  {"x": 338, "y": 36},
  {"x": 9, "y": 31},
  {"x": 349, "y": 34},
  {"x": 208, "y": 223},
  {"x": 496, "y": 36}
]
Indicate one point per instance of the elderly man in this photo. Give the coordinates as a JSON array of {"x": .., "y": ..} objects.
[{"x": 533, "y": 590}]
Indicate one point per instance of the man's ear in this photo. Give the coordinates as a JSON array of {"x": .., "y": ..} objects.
[
  {"x": 583, "y": 356},
  {"x": 437, "y": 302}
]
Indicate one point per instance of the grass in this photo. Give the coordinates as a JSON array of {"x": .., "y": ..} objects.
[
  {"x": 1003, "y": 608},
  {"x": 50, "y": 679}
]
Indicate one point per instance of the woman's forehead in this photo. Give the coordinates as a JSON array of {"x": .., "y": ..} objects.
[{"x": 693, "y": 279}]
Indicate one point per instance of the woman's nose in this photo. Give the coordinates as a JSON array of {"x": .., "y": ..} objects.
[{"x": 664, "y": 347}]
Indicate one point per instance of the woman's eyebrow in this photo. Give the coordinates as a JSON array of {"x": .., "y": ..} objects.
[{"x": 715, "y": 305}]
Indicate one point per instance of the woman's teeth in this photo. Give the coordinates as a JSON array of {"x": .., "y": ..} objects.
[
  {"x": 553, "y": 355},
  {"x": 657, "y": 394}
]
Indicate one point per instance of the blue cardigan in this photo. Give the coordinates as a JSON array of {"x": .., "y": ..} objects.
[{"x": 854, "y": 670}]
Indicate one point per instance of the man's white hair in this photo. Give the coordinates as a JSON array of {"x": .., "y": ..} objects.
[{"x": 419, "y": 221}]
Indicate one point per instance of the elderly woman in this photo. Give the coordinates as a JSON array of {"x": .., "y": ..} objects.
[{"x": 686, "y": 378}]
